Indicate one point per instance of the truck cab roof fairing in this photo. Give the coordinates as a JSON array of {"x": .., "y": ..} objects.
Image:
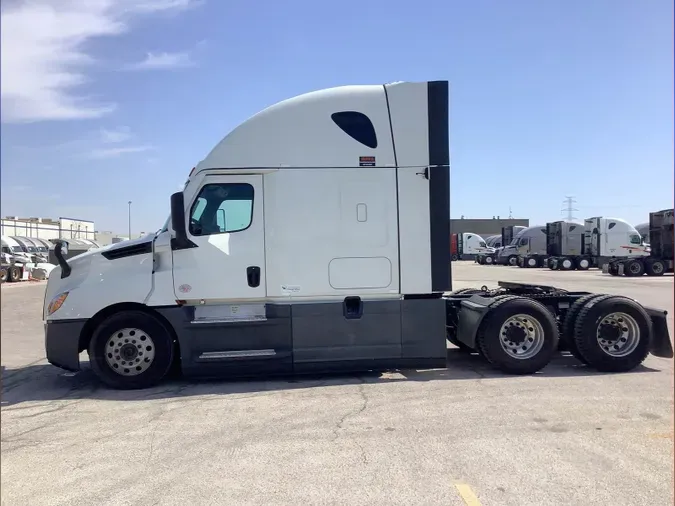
[{"x": 303, "y": 132}]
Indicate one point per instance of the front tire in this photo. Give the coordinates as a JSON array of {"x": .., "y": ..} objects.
[
  {"x": 489, "y": 260},
  {"x": 513, "y": 260},
  {"x": 613, "y": 333},
  {"x": 519, "y": 335},
  {"x": 131, "y": 350}
]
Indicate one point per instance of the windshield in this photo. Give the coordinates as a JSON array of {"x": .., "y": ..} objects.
[
  {"x": 482, "y": 244},
  {"x": 17, "y": 249}
]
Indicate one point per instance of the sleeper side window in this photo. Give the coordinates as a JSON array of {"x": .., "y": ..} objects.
[
  {"x": 358, "y": 126},
  {"x": 222, "y": 208}
]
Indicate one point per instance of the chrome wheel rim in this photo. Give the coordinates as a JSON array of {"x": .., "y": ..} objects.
[
  {"x": 531, "y": 262},
  {"x": 521, "y": 336},
  {"x": 583, "y": 264},
  {"x": 129, "y": 352},
  {"x": 513, "y": 261},
  {"x": 657, "y": 267},
  {"x": 618, "y": 334},
  {"x": 567, "y": 263}
]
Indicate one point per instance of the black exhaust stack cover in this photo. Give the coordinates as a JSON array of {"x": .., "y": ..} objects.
[{"x": 439, "y": 185}]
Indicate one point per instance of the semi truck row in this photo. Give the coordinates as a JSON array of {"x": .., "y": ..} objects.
[{"x": 607, "y": 243}]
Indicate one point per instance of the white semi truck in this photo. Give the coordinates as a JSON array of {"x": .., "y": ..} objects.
[
  {"x": 607, "y": 239},
  {"x": 314, "y": 238}
]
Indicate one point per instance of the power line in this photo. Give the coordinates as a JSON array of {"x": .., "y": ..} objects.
[{"x": 569, "y": 209}]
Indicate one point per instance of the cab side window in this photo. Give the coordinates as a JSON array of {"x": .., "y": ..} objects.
[
  {"x": 222, "y": 208},
  {"x": 635, "y": 239}
]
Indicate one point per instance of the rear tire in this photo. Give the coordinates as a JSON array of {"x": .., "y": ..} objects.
[
  {"x": 531, "y": 262},
  {"x": 147, "y": 344},
  {"x": 655, "y": 267},
  {"x": 14, "y": 274},
  {"x": 566, "y": 264},
  {"x": 634, "y": 268},
  {"x": 613, "y": 333},
  {"x": 583, "y": 264},
  {"x": 489, "y": 260},
  {"x": 3, "y": 274},
  {"x": 518, "y": 326},
  {"x": 567, "y": 331}
]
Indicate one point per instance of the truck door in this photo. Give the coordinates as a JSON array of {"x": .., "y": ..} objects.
[{"x": 225, "y": 222}]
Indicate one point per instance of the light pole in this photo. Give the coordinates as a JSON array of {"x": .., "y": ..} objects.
[{"x": 130, "y": 220}]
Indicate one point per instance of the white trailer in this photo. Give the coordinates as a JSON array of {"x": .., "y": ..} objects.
[{"x": 314, "y": 238}]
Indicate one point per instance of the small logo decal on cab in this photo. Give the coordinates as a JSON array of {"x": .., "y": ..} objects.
[{"x": 184, "y": 288}]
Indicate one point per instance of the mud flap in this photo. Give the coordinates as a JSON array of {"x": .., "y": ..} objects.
[{"x": 661, "y": 345}]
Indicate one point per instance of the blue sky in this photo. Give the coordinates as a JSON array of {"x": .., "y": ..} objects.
[{"x": 105, "y": 101}]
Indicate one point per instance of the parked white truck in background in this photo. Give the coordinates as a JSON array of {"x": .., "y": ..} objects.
[
  {"x": 232, "y": 285},
  {"x": 606, "y": 239}
]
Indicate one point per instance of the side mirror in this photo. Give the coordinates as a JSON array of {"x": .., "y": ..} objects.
[
  {"x": 178, "y": 216},
  {"x": 180, "y": 241}
]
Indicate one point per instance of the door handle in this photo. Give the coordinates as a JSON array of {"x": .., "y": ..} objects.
[{"x": 253, "y": 276}]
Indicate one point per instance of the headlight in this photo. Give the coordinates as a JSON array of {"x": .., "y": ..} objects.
[{"x": 56, "y": 303}]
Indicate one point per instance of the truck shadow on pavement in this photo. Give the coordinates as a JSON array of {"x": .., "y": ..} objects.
[{"x": 47, "y": 383}]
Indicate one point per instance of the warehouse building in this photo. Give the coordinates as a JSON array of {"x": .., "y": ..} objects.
[
  {"x": 48, "y": 228},
  {"x": 485, "y": 227}
]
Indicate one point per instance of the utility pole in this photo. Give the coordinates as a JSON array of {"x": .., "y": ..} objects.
[
  {"x": 569, "y": 208},
  {"x": 130, "y": 220}
]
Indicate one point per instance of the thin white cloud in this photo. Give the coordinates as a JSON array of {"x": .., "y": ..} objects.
[
  {"x": 99, "y": 154},
  {"x": 163, "y": 61},
  {"x": 117, "y": 135},
  {"x": 43, "y": 54}
]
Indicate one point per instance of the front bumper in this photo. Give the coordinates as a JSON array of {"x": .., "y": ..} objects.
[{"x": 62, "y": 343}]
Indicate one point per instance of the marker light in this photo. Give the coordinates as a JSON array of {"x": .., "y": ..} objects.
[{"x": 56, "y": 303}]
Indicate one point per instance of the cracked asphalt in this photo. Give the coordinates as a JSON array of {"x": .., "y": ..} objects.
[{"x": 566, "y": 436}]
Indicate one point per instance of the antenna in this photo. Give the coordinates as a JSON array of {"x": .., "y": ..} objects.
[{"x": 569, "y": 209}]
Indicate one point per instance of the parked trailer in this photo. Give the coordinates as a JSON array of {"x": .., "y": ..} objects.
[
  {"x": 608, "y": 239},
  {"x": 508, "y": 256},
  {"x": 454, "y": 247},
  {"x": 660, "y": 258},
  {"x": 225, "y": 289},
  {"x": 565, "y": 246}
]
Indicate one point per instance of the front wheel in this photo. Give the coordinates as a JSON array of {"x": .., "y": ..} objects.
[
  {"x": 518, "y": 336},
  {"x": 3, "y": 274},
  {"x": 489, "y": 260},
  {"x": 513, "y": 260},
  {"x": 612, "y": 333},
  {"x": 130, "y": 350}
]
